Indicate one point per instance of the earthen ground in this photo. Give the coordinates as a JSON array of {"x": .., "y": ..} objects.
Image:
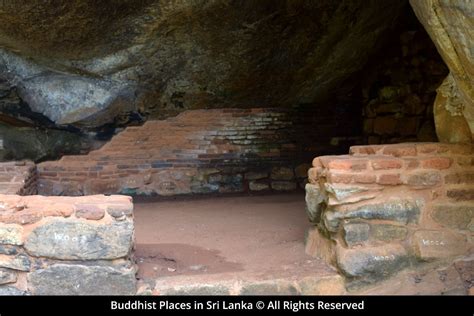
[{"x": 225, "y": 238}]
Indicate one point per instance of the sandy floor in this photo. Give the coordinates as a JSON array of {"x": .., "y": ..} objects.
[{"x": 253, "y": 235}]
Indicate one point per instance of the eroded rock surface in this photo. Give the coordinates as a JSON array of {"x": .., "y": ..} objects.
[
  {"x": 449, "y": 23},
  {"x": 85, "y": 63}
]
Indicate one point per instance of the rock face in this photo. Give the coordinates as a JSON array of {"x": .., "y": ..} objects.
[
  {"x": 449, "y": 23},
  {"x": 167, "y": 56}
]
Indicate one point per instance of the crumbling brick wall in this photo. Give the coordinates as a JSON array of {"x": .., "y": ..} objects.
[
  {"x": 203, "y": 151},
  {"x": 66, "y": 245},
  {"x": 18, "y": 177},
  {"x": 385, "y": 208}
]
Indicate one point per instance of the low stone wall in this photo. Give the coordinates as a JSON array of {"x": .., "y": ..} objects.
[
  {"x": 385, "y": 208},
  {"x": 18, "y": 177},
  {"x": 66, "y": 245},
  {"x": 200, "y": 151}
]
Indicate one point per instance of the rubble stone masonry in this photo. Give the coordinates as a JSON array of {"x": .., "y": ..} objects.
[
  {"x": 385, "y": 208},
  {"x": 66, "y": 245}
]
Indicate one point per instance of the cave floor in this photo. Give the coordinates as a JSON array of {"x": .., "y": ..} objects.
[{"x": 245, "y": 239}]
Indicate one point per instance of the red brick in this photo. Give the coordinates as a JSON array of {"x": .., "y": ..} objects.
[
  {"x": 389, "y": 179},
  {"x": 365, "y": 150},
  {"x": 412, "y": 164},
  {"x": 384, "y": 164},
  {"x": 348, "y": 164},
  {"x": 333, "y": 177},
  {"x": 424, "y": 179},
  {"x": 400, "y": 150},
  {"x": 364, "y": 178},
  {"x": 436, "y": 163},
  {"x": 89, "y": 211},
  {"x": 459, "y": 178}
]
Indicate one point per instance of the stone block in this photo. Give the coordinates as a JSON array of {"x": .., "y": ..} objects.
[
  {"x": 7, "y": 290},
  {"x": 283, "y": 185},
  {"x": 315, "y": 202},
  {"x": 461, "y": 194},
  {"x": 89, "y": 211},
  {"x": 421, "y": 180},
  {"x": 282, "y": 173},
  {"x": 11, "y": 234},
  {"x": 196, "y": 289},
  {"x": 274, "y": 287},
  {"x": 7, "y": 276},
  {"x": 434, "y": 244},
  {"x": 17, "y": 262},
  {"x": 372, "y": 263},
  {"x": 453, "y": 215},
  {"x": 255, "y": 175},
  {"x": 355, "y": 233},
  {"x": 70, "y": 279},
  {"x": 387, "y": 232},
  {"x": 258, "y": 186},
  {"x": 398, "y": 210},
  {"x": 77, "y": 240}
]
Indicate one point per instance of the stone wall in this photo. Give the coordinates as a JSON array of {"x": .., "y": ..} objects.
[
  {"x": 18, "y": 177},
  {"x": 206, "y": 151},
  {"x": 385, "y": 208},
  {"x": 66, "y": 245}
]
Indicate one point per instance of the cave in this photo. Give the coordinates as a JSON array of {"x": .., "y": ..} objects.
[{"x": 236, "y": 147}]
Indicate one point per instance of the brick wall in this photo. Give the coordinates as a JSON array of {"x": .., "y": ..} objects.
[
  {"x": 206, "y": 151},
  {"x": 18, "y": 177},
  {"x": 385, "y": 208},
  {"x": 66, "y": 245}
]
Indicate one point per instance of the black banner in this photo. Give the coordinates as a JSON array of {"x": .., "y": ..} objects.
[{"x": 327, "y": 305}]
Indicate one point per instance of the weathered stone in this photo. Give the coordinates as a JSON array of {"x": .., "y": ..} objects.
[
  {"x": 7, "y": 276},
  {"x": 326, "y": 285},
  {"x": 342, "y": 192},
  {"x": 11, "y": 235},
  {"x": 65, "y": 279},
  {"x": 8, "y": 250},
  {"x": 355, "y": 233},
  {"x": 102, "y": 75},
  {"x": 387, "y": 232},
  {"x": 18, "y": 262},
  {"x": 258, "y": 186},
  {"x": 424, "y": 179},
  {"x": 283, "y": 185},
  {"x": 453, "y": 216},
  {"x": 74, "y": 240},
  {"x": 434, "y": 244},
  {"x": 89, "y": 211},
  {"x": 449, "y": 25},
  {"x": 8, "y": 290},
  {"x": 119, "y": 210},
  {"x": 255, "y": 175},
  {"x": 399, "y": 210},
  {"x": 282, "y": 173},
  {"x": 315, "y": 202},
  {"x": 372, "y": 263},
  {"x": 196, "y": 289},
  {"x": 276, "y": 287},
  {"x": 461, "y": 194}
]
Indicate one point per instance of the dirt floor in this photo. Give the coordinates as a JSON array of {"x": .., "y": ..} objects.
[{"x": 235, "y": 237}]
